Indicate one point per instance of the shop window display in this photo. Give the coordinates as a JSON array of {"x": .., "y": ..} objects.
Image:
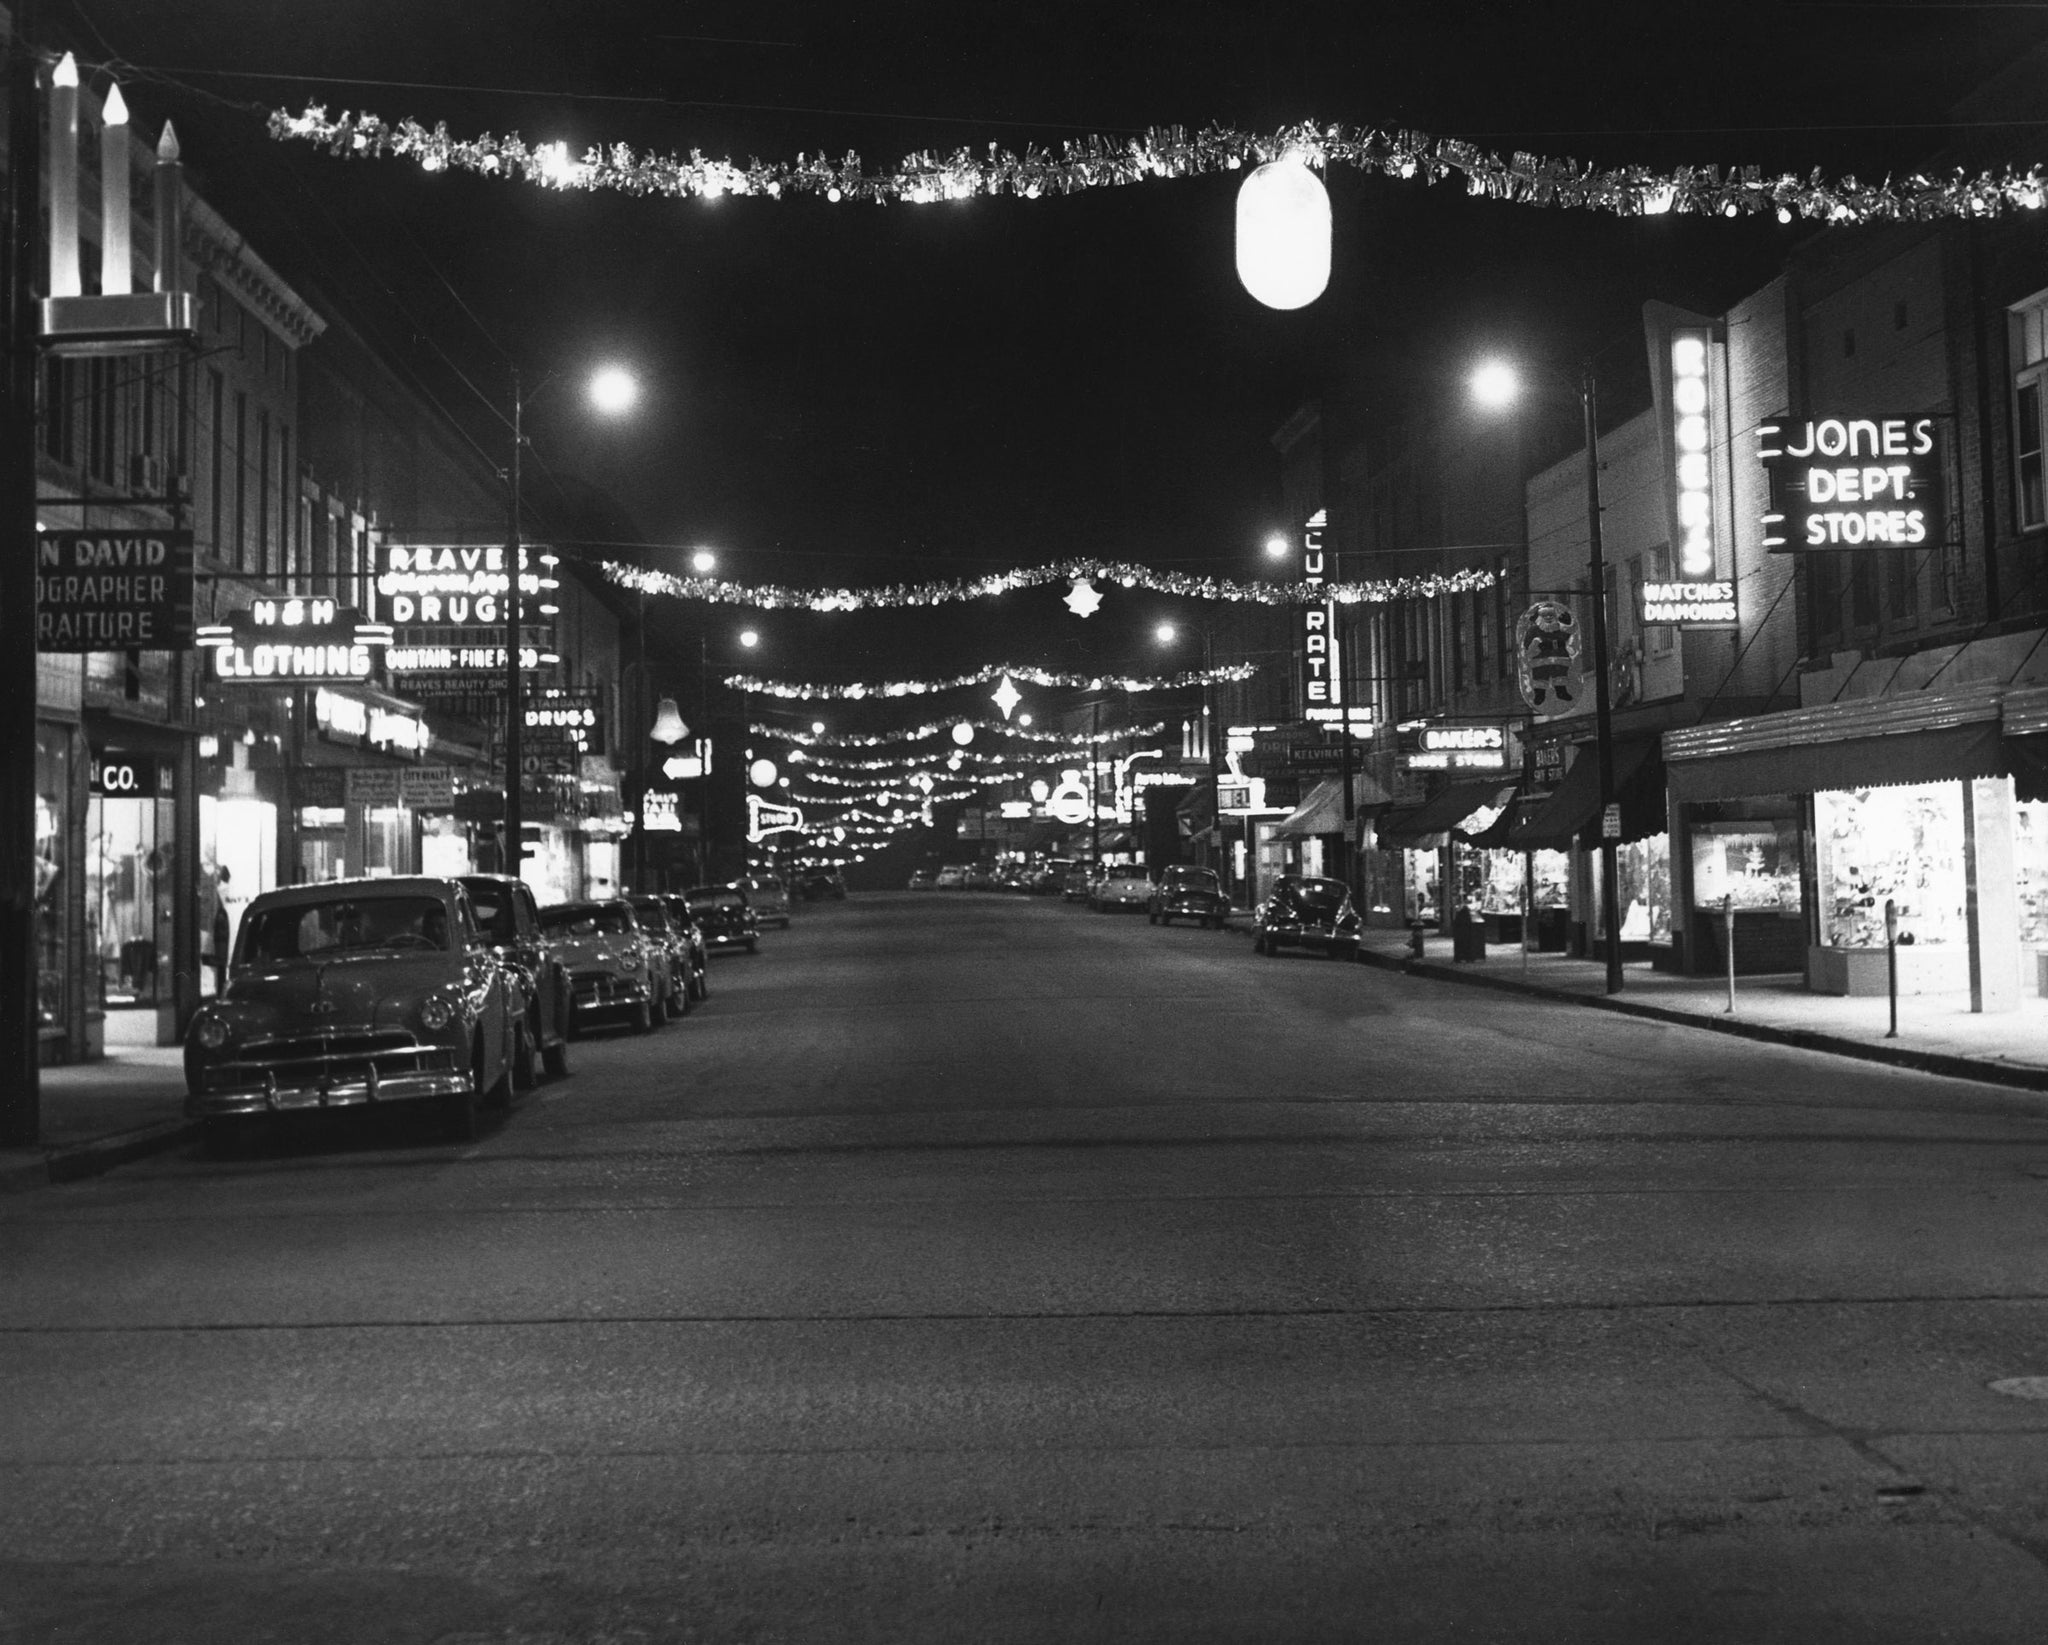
[
  {"x": 1905, "y": 844},
  {"x": 53, "y": 788},
  {"x": 128, "y": 897},
  {"x": 2030, "y": 863},
  {"x": 1754, "y": 863},
  {"x": 1644, "y": 869}
]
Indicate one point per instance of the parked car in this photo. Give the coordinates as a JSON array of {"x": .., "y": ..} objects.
[
  {"x": 686, "y": 921},
  {"x": 980, "y": 877},
  {"x": 1080, "y": 877},
  {"x": 1191, "y": 894},
  {"x": 952, "y": 877},
  {"x": 727, "y": 919},
  {"x": 1049, "y": 879},
  {"x": 1124, "y": 886},
  {"x": 674, "y": 946},
  {"x": 822, "y": 884},
  {"x": 354, "y": 993},
  {"x": 1307, "y": 913},
  {"x": 923, "y": 879},
  {"x": 615, "y": 968},
  {"x": 770, "y": 898},
  {"x": 508, "y": 915}
]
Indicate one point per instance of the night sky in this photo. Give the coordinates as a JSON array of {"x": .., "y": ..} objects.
[{"x": 849, "y": 393}]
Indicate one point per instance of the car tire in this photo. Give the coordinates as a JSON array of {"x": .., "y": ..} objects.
[
  {"x": 555, "y": 1059},
  {"x": 521, "y": 1073},
  {"x": 1258, "y": 942},
  {"x": 701, "y": 983},
  {"x": 679, "y": 995},
  {"x": 753, "y": 945},
  {"x": 462, "y": 1112},
  {"x": 643, "y": 1018}
]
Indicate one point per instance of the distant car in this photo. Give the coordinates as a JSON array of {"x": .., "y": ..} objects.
[
  {"x": 952, "y": 877},
  {"x": 726, "y": 917},
  {"x": 673, "y": 940},
  {"x": 923, "y": 879},
  {"x": 616, "y": 967},
  {"x": 1185, "y": 893},
  {"x": 356, "y": 993},
  {"x": 1078, "y": 879},
  {"x": 822, "y": 885},
  {"x": 508, "y": 915},
  {"x": 980, "y": 877},
  {"x": 1308, "y": 913},
  {"x": 1013, "y": 877},
  {"x": 770, "y": 898},
  {"x": 1125, "y": 886},
  {"x": 1049, "y": 879}
]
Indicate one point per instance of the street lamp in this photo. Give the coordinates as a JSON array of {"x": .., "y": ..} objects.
[
  {"x": 703, "y": 562},
  {"x": 1166, "y": 634},
  {"x": 612, "y": 391},
  {"x": 1497, "y": 386}
]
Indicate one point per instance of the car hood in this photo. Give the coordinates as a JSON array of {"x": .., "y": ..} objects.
[{"x": 355, "y": 992}]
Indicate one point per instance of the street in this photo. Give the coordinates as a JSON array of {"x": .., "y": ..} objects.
[{"x": 981, "y": 1268}]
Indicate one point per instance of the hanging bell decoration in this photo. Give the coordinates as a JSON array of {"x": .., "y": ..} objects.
[{"x": 668, "y": 727}]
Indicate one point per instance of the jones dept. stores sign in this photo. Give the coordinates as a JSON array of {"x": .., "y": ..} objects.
[
  {"x": 1854, "y": 483},
  {"x": 108, "y": 590}
]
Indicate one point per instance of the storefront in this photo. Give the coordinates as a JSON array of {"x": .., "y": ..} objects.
[
  {"x": 130, "y": 824},
  {"x": 1428, "y": 867},
  {"x": 1821, "y": 830}
]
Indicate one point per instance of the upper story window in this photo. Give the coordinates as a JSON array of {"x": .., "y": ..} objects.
[{"x": 2028, "y": 325}]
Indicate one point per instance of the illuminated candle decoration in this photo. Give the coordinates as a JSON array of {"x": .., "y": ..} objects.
[{"x": 1283, "y": 234}]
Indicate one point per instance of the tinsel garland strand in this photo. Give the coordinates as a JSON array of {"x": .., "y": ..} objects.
[
  {"x": 995, "y": 671},
  {"x": 934, "y": 728},
  {"x": 778, "y": 597},
  {"x": 815, "y": 763},
  {"x": 833, "y": 779},
  {"x": 1169, "y": 152}
]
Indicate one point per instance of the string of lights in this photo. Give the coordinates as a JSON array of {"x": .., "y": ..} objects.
[
  {"x": 1168, "y": 152},
  {"x": 936, "y": 728},
  {"x": 829, "y": 767},
  {"x": 805, "y": 692},
  {"x": 780, "y": 596}
]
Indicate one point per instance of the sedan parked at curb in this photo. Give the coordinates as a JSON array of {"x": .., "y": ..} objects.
[
  {"x": 1185, "y": 893},
  {"x": 725, "y": 916},
  {"x": 359, "y": 993},
  {"x": 508, "y": 915},
  {"x": 770, "y": 899},
  {"x": 1308, "y": 913},
  {"x": 615, "y": 968},
  {"x": 674, "y": 944}
]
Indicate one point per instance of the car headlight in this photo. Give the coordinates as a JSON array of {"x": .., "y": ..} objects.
[
  {"x": 436, "y": 1013},
  {"x": 210, "y": 1033},
  {"x": 630, "y": 962}
]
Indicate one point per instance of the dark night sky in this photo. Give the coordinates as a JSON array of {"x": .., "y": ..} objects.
[{"x": 846, "y": 393}]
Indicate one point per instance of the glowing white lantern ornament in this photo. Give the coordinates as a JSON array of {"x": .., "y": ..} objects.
[
  {"x": 763, "y": 773},
  {"x": 963, "y": 733},
  {"x": 1283, "y": 234}
]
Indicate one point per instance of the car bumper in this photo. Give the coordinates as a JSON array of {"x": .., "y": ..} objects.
[
  {"x": 728, "y": 939},
  {"x": 594, "y": 995},
  {"x": 1190, "y": 910},
  {"x": 236, "y": 1089},
  {"x": 1308, "y": 937}
]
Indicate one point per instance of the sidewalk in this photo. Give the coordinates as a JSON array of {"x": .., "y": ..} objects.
[
  {"x": 97, "y": 1115},
  {"x": 1938, "y": 1033}
]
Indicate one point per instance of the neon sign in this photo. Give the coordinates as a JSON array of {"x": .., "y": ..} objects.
[{"x": 1859, "y": 482}]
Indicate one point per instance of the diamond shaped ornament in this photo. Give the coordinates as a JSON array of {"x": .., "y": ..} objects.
[{"x": 1007, "y": 696}]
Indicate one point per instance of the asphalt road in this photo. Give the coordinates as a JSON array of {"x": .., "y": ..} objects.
[{"x": 973, "y": 1268}]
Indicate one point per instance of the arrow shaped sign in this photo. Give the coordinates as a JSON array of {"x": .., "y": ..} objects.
[{"x": 680, "y": 767}]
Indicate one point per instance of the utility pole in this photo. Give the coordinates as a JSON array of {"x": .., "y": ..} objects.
[
  {"x": 20, "y": 1014},
  {"x": 515, "y": 693}
]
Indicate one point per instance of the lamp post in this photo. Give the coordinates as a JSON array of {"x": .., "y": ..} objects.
[
  {"x": 1166, "y": 633},
  {"x": 613, "y": 392},
  {"x": 1496, "y": 385}
]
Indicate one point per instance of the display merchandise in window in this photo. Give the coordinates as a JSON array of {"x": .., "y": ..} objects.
[
  {"x": 2030, "y": 866},
  {"x": 1902, "y": 844},
  {"x": 1754, "y": 864},
  {"x": 53, "y": 882},
  {"x": 1644, "y": 869}
]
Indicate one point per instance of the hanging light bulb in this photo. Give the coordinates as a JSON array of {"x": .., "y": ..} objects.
[
  {"x": 668, "y": 724},
  {"x": 762, "y": 772},
  {"x": 963, "y": 733},
  {"x": 1283, "y": 234}
]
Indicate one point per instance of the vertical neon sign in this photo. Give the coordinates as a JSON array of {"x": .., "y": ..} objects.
[{"x": 1318, "y": 624}]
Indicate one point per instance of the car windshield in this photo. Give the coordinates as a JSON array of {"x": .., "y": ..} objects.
[
  {"x": 587, "y": 920},
  {"x": 1317, "y": 894},
  {"x": 715, "y": 896},
  {"x": 492, "y": 906},
  {"x": 1192, "y": 879},
  {"x": 651, "y": 911},
  {"x": 765, "y": 888},
  {"x": 353, "y": 923}
]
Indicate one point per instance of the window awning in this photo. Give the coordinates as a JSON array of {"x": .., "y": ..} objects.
[
  {"x": 1873, "y": 742},
  {"x": 1322, "y": 812},
  {"x": 1573, "y": 808},
  {"x": 1419, "y": 827}
]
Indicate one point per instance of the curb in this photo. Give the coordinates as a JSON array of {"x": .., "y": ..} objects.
[
  {"x": 1804, "y": 1039},
  {"x": 91, "y": 1159}
]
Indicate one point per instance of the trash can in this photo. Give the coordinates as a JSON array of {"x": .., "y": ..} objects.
[{"x": 1468, "y": 937}]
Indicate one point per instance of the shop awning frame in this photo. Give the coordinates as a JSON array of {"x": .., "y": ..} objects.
[
  {"x": 1419, "y": 827},
  {"x": 1571, "y": 814},
  {"x": 1322, "y": 811}
]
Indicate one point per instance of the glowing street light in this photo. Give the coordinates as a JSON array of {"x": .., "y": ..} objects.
[
  {"x": 703, "y": 562},
  {"x": 749, "y": 638},
  {"x": 1278, "y": 547},
  {"x": 614, "y": 390},
  {"x": 1165, "y": 633},
  {"x": 1496, "y": 385}
]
